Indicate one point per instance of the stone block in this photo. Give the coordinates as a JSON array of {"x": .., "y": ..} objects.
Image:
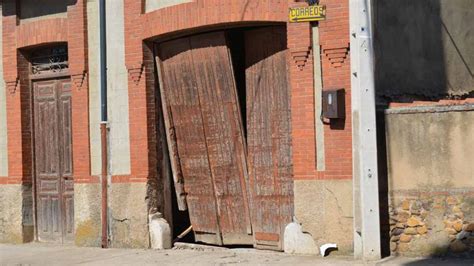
[
  {"x": 324, "y": 209},
  {"x": 457, "y": 225},
  {"x": 413, "y": 222},
  {"x": 406, "y": 205},
  {"x": 451, "y": 231},
  {"x": 469, "y": 227},
  {"x": 404, "y": 238},
  {"x": 87, "y": 215},
  {"x": 458, "y": 246},
  {"x": 451, "y": 200},
  {"x": 298, "y": 242},
  {"x": 403, "y": 247},
  {"x": 129, "y": 216},
  {"x": 422, "y": 230},
  {"x": 160, "y": 232},
  {"x": 411, "y": 231}
]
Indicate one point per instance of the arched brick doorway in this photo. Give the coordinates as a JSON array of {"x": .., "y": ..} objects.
[{"x": 226, "y": 104}]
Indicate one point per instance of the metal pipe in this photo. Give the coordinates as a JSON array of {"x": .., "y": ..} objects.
[
  {"x": 103, "y": 60},
  {"x": 104, "y": 118},
  {"x": 104, "y": 184}
]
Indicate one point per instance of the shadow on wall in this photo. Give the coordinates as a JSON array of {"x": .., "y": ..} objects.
[
  {"x": 424, "y": 49},
  {"x": 30, "y": 9}
]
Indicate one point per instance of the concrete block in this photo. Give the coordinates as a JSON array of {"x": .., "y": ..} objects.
[
  {"x": 87, "y": 215},
  {"x": 295, "y": 241},
  {"x": 16, "y": 214},
  {"x": 128, "y": 216},
  {"x": 324, "y": 209},
  {"x": 160, "y": 232}
]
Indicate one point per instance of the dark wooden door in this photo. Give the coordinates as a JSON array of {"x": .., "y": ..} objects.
[
  {"x": 53, "y": 160},
  {"x": 200, "y": 92},
  {"x": 268, "y": 134}
]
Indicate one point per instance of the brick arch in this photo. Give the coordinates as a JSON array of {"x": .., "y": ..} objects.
[
  {"x": 42, "y": 32},
  {"x": 208, "y": 13},
  {"x": 334, "y": 37},
  {"x": 140, "y": 27}
]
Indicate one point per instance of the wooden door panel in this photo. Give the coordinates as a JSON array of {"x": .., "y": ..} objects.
[
  {"x": 181, "y": 96},
  {"x": 53, "y": 163},
  {"x": 268, "y": 134},
  {"x": 199, "y": 89},
  {"x": 223, "y": 132},
  {"x": 47, "y": 160},
  {"x": 65, "y": 149}
]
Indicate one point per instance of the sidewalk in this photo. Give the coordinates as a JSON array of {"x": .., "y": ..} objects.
[{"x": 46, "y": 254}]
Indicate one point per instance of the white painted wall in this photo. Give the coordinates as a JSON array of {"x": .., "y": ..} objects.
[
  {"x": 3, "y": 113},
  {"x": 94, "y": 85},
  {"x": 152, "y": 5},
  {"x": 117, "y": 89}
]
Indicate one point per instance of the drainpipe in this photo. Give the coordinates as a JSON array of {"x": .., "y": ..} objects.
[
  {"x": 367, "y": 244},
  {"x": 104, "y": 119}
]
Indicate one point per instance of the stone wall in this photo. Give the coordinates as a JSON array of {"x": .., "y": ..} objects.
[
  {"x": 431, "y": 180},
  {"x": 433, "y": 223}
]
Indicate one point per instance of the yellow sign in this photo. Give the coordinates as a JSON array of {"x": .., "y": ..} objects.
[{"x": 309, "y": 13}]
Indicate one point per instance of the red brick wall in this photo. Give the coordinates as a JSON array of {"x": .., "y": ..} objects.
[
  {"x": 334, "y": 47},
  {"x": 334, "y": 41},
  {"x": 139, "y": 61},
  {"x": 334, "y": 37},
  {"x": 21, "y": 37}
]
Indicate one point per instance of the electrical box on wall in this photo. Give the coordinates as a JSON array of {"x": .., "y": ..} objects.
[{"x": 334, "y": 104}]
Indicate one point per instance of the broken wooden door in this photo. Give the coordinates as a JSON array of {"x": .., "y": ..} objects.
[
  {"x": 53, "y": 160},
  {"x": 199, "y": 90},
  {"x": 268, "y": 134}
]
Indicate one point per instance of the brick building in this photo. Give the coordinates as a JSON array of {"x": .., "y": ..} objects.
[{"x": 250, "y": 77}]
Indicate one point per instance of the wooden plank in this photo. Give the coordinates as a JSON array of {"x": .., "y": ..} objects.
[
  {"x": 171, "y": 141},
  {"x": 269, "y": 134},
  {"x": 225, "y": 141},
  {"x": 65, "y": 159},
  {"x": 182, "y": 98}
]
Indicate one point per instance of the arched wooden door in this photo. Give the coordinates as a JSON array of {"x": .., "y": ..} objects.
[{"x": 238, "y": 190}]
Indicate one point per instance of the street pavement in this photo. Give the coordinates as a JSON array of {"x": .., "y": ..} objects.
[{"x": 49, "y": 254}]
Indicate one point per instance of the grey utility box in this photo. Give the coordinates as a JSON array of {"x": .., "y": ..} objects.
[{"x": 334, "y": 104}]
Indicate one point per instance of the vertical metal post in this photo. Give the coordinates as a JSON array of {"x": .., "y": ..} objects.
[
  {"x": 103, "y": 124},
  {"x": 366, "y": 198}
]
